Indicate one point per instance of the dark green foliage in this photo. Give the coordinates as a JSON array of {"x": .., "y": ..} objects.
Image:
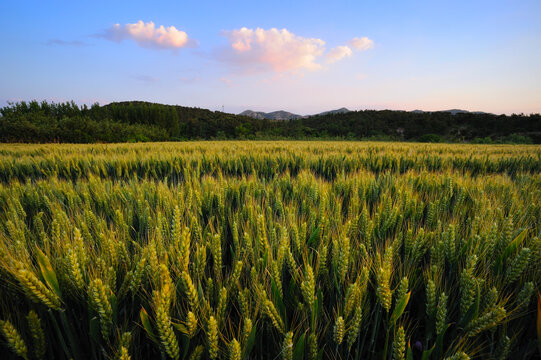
[
  {"x": 431, "y": 138},
  {"x": 142, "y": 121}
]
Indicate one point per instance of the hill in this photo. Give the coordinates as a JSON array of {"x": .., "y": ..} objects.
[
  {"x": 144, "y": 121},
  {"x": 286, "y": 115},
  {"x": 275, "y": 115},
  {"x": 337, "y": 111}
]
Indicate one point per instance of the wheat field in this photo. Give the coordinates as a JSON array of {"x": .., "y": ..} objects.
[{"x": 270, "y": 250}]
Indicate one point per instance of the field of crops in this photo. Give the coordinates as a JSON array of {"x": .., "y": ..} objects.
[{"x": 270, "y": 250}]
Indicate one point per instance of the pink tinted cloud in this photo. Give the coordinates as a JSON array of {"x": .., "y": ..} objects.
[
  {"x": 362, "y": 43},
  {"x": 148, "y": 35},
  {"x": 226, "y": 80},
  {"x": 338, "y": 53},
  {"x": 274, "y": 49}
]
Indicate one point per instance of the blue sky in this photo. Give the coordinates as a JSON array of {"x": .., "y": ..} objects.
[{"x": 303, "y": 56}]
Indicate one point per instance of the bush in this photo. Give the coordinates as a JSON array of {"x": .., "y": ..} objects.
[
  {"x": 431, "y": 138},
  {"x": 517, "y": 139},
  {"x": 485, "y": 140}
]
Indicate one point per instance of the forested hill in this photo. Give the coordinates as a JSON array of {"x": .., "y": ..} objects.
[{"x": 143, "y": 121}]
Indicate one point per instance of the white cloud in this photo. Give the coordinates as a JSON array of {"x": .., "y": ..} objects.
[
  {"x": 338, "y": 53},
  {"x": 281, "y": 51},
  {"x": 278, "y": 50},
  {"x": 362, "y": 43},
  {"x": 148, "y": 35}
]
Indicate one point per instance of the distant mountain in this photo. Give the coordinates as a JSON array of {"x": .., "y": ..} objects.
[
  {"x": 337, "y": 111},
  {"x": 282, "y": 115},
  {"x": 286, "y": 115},
  {"x": 456, "y": 111},
  {"x": 254, "y": 114},
  {"x": 275, "y": 115}
]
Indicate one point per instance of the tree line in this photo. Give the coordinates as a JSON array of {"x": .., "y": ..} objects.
[{"x": 143, "y": 121}]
